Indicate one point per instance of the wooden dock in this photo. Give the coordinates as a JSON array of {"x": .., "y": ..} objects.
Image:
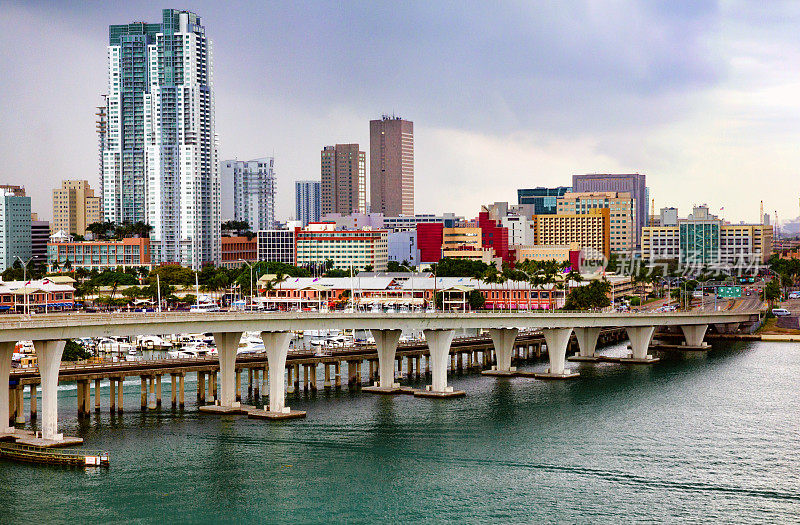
[{"x": 50, "y": 456}]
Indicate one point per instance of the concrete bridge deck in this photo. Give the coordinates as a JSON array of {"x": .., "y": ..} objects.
[{"x": 50, "y": 331}]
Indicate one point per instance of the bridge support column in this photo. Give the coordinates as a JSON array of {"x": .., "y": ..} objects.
[
  {"x": 119, "y": 394},
  {"x": 20, "y": 420},
  {"x": 587, "y": 343},
  {"x": 6, "y": 349},
  {"x": 249, "y": 382},
  {"x": 181, "y": 378},
  {"x": 337, "y": 374},
  {"x": 386, "y": 345},
  {"x": 173, "y": 379},
  {"x": 112, "y": 395},
  {"x": 238, "y": 385},
  {"x": 503, "y": 341},
  {"x": 326, "y": 382},
  {"x": 151, "y": 395},
  {"x": 158, "y": 390},
  {"x": 48, "y": 355},
  {"x": 439, "y": 350},
  {"x": 97, "y": 395},
  {"x": 33, "y": 402},
  {"x": 276, "y": 345},
  {"x": 640, "y": 337},
  {"x": 227, "y": 345},
  {"x": 694, "y": 335},
  {"x": 290, "y": 380},
  {"x": 557, "y": 340}
]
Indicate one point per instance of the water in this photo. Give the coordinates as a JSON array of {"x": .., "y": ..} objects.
[{"x": 697, "y": 438}]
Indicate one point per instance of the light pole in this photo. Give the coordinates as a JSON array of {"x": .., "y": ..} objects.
[
  {"x": 27, "y": 307},
  {"x": 251, "y": 278},
  {"x": 412, "y": 283}
]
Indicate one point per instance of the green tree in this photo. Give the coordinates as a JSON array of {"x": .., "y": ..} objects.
[
  {"x": 476, "y": 300},
  {"x": 772, "y": 292},
  {"x": 74, "y": 351},
  {"x": 592, "y": 295}
]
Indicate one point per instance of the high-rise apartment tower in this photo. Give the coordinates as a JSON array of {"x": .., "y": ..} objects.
[
  {"x": 391, "y": 166},
  {"x": 307, "y": 200},
  {"x": 344, "y": 179},
  {"x": 253, "y": 190},
  {"x": 160, "y": 160}
]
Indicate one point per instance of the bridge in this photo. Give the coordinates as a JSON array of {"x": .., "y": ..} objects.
[{"x": 51, "y": 331}]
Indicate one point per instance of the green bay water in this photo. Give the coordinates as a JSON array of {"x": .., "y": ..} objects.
[{"x": 706, "y": 438}]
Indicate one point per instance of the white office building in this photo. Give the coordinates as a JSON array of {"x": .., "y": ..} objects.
[
  {"x": 253, "y": 190},
  {"x": 160, "y": 161},
  {"x": 307, "y": 198}
]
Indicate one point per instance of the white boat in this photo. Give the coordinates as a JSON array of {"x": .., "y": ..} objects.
[
  {"x": 250, "y": 345},
  {"x": 204, "y": 307},
  {"x": 152, "y": 341}
]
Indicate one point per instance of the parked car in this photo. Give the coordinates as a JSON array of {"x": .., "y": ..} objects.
[
  {"x": 780, "y": 312},
  {"x": 794, "y": 295}
]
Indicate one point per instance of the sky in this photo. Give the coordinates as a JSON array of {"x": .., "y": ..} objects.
[{"x": 702, "y": 97}]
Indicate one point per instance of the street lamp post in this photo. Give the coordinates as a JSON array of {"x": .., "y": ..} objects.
[
  {"x": 27, "y": 307},
  {"x": 251, "y": 278}
]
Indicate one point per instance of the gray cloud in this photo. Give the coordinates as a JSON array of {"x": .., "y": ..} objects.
[{"x": 638, "y": 84}]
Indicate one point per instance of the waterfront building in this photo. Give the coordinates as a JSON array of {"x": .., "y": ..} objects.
[
  {"x": 703, "y": 239},
  {"x": 403, "y": 247},
  {"x": 40, "y": 236},
  {"x": 391, "y": 166},
  {"x": 622, "y": 214},
  {"x": 75, "y": 207},
  {"x": 253, "y": 190},
  {"x": 548, "y": 252},
  {"x": 308, "y": 201},
  {"x": 131, "y": 252},
  {"x": 237, "y": 249},
  {"x": 276, "y": 245},
  {"x": 589, "y": 230},
  {"x": 407, "y": 290},
  {"x": 43, "y": 295},
  {"x": 318, "y": 243},
  {"x": 344, "y": 179},
  {"x": 160, "y": 163},
  {"x": 544, "y": 200},
  {"x": 632, "y": 183},
  {"x": 15, "y": 227}
]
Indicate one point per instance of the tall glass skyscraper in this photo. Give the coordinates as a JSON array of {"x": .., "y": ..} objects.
[{"x": 160, "y": 160}]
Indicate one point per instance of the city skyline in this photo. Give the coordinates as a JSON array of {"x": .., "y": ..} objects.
[{"x": 692, "y": 105}]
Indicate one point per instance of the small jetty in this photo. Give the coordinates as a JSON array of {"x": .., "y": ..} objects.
[{"x": 50, "y": 456}]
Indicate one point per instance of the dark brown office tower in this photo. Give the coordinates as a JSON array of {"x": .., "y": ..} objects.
[
  {"x": 391, "y": 166},
  {"x": 344, "y": 179}
]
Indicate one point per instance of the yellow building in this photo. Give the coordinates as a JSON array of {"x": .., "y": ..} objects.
[
  {"x": 544, "y": 252},
  {"x": 75, "y": 207},
  {"x": 622, "y": 213},
  {"x": 590, "y": 231}
]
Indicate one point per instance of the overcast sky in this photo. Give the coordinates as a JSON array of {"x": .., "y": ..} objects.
[{"x": 702, "y": 97}]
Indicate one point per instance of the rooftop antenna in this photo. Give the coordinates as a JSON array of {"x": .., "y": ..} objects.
[{"x": 761, "y": 213}]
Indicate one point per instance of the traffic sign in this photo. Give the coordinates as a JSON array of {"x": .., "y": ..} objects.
[{"x": 730, "y": 292}]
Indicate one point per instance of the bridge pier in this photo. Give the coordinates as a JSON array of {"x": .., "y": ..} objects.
[
  {"x": 48, "y": 355},
  {"x": 227, "y": 345},
  {"x": 640, "y": 337},
  {"x": 6, "y": 350},
  {"x": 386, "y": 345},
  {"x": 173, "y": 380},
  {"x": 151, "y": 395},
  {"x": 337, "y": 375},
  {"x": 277, "y": 347},
  {"x": 557, "y": 340},
  {"x": 503, "y": 342},
  {"x": 33, "y": 402},
  {"x": 694, "y": 335},
  {"x": 439, "y": 350},
  {"x": 20, "y": 419},
  {"x": 119, "y": 395},
  {"x": 181, "y": 378},
  {"x": 587, "y": 343},
  {"x": 238, "y": 385}
]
